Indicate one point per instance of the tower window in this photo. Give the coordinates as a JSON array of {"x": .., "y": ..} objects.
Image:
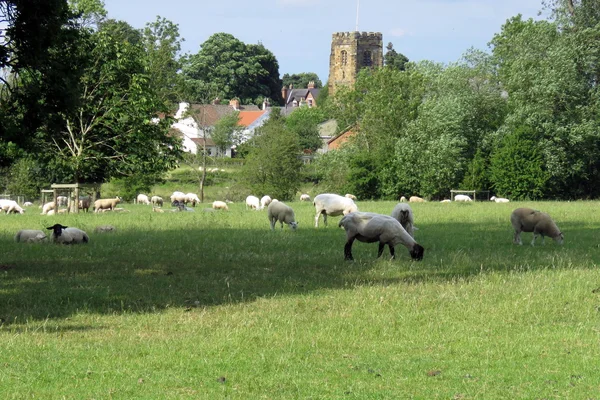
[
  {"x": 367, "y": 61},
  {"x": 344, "y": 57}
]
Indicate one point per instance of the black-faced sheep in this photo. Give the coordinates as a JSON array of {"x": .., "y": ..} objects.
[
  {"x": 371, "y": 227},
  {"x": 333, "y": 205},
  {"x": 530, "y": 220},
  {"x": 403, "y": 214},
  {"x": 65, "y": 235},
  {"x": 278, "y": 211},
  {"x": 106, "y": 204},
  {"x": 30, "y": 236}
]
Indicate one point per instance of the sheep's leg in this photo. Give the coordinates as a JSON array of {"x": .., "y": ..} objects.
[{"x": 348, "y": 250}]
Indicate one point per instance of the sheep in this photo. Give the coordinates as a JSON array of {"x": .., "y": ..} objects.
[
  {"x": 106, "y": 204},
  {"x": 48, "y": 207},
  {"x": 105, "y": 229},
  {"x": 462, "y": 197},
  {"x": 27, "y": 204},
  {"x": 157, "y": 201},
  {"x": 30, "y": 236},
  {"x": 193, "y": 198},
  {"x": 499, "y": 199},
  {"x": 65, "y": 235},
  {"x": 265, "y": 201},
  {"x": 143, "y": 199},
  {"x": 415, "y": 199},
  {"x": 529, "y": 220},
  {"x": 350, "y": 196},
  {"x": 278, "y": 211},
  {"x": 85, "y": 203},
  {"x": 304, "y": 197},
  {"x": 220, "y": 205},
  {"x": 253, "y": 202},
  {"x": 332, "y": 204},
  {"x": 404, "y": 214},
  {"x": 9, "y": 206},
  {"x": 371, "y": 227},
  {"x": 62, "y": 200}
]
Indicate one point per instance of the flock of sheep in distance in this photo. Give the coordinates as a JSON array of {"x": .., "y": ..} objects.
[{"x": 391, "y": 230}]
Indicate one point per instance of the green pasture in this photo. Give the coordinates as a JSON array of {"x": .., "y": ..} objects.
[{"x": 213, "y": 305}]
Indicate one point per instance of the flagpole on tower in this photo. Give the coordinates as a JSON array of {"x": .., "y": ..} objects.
[{"x": 357, "y": 6}]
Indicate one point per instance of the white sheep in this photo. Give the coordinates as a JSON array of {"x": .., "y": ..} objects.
[
  {"x": 48, "y": 207},
  {"x": 530, "y": 220},
  {"x": 30, "y": 236},
  {"x": 278, "y": 211},
  {"x": 404, "y": 214},
  {"x": 462, "y": 197},
  {"x": 253, "y": 202},
  {"x": 9, "y": 206},
  {"x": 193, "y": 198},
  {"x": 416, "y": 199},
  {"x": 65, "y": 235},
  {"x": 265, "y": 201},
  {"x": 371, "y": 227},
  {"x": 157, "y": 201},
  {"x": 333, "y": 205},
  {"x": 220, "y": 205},
  {"x": 143, "y": 199},
  {"x": 304, "y": 197},
  {"x": 499, "y": 199},
  {"x": 106, "y": 204}
]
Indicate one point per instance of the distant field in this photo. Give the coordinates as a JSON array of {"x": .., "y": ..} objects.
[{"x": 215, "y": 305}]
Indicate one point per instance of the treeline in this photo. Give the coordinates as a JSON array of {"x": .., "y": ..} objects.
[{"x": 522, "y": 121}]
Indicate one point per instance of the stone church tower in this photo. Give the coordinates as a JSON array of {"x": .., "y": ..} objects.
[{"x": 351, "y": 51}]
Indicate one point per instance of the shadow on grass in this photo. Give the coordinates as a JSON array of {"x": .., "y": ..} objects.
[{"x": 150, "y": 271}]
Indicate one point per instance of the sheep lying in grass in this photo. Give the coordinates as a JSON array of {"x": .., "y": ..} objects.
[
  {"x": 30, "y": 236},
  {"x": 499, "y": 199},
  {"x": 278, "y": 211},
  {"x": 265, "y": 201},
  {"x": 106, "y": 204},
  {"x": 371, "y": 227},
  {"x": 143, "y": 199},
  {"x": 416, "y": 199},
  {"x": 157, "y": 201},
  {"x": 253, "y": 202},
  {"x": 530, "y": 220},
  {"x": 462, "y": 197},
  {"x": 65, "y": 235},
  {"x": 10, "y": 206},
  {"x": 403, "y": 214},
  {"x": 220, "y": 205},
  {"x": 304, "y": 197},
  {"x": 332, "y": 204}
]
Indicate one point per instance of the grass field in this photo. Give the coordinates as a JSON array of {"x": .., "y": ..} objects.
[{"x": 216, "y": 306}]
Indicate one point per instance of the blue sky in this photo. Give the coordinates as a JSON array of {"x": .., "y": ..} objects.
[{"x": 298, "y": 32}]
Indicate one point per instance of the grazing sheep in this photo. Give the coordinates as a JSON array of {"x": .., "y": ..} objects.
[
  {"x": 9, "y": 206},
  {"x": 265, "y": 201},
  {"x": 157, "y": 201},
  {"x": 27, "y": 204},
  {"x": 278, "y": 211},
  {"x": 106, "y": 204},
  {"x": 62, "y": 200},
  {"x": 529, "y": 220},
  {"x": 105, "y": 229},
  {"x": 253, "y": 202},
  {"x": 65, "y": 235},
  {"x": 220, "y": 205},
  {"x": 371, "y": 227},
  {"x": 332, "y": 204},
  {"x": 304, "y": 197},
  {"x": 403, "y": 214},
  {"x": 462, "y": 197},
  {"x": 143, "y": 199},
  {"x": 350, "y": 196},
  {"x": 193, "y": 198},
  {"x": 30, "y": 236},
  {"x": 85, "y": 203},
  {"x": 499, "y": 199},
  {"x": 416, "y": 199}
]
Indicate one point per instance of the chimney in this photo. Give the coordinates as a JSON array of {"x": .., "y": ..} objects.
[
  {"x": 311, "y": 84},
  {"x": 216, "y": 101},
  {"x": 235, "y": 103}
]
